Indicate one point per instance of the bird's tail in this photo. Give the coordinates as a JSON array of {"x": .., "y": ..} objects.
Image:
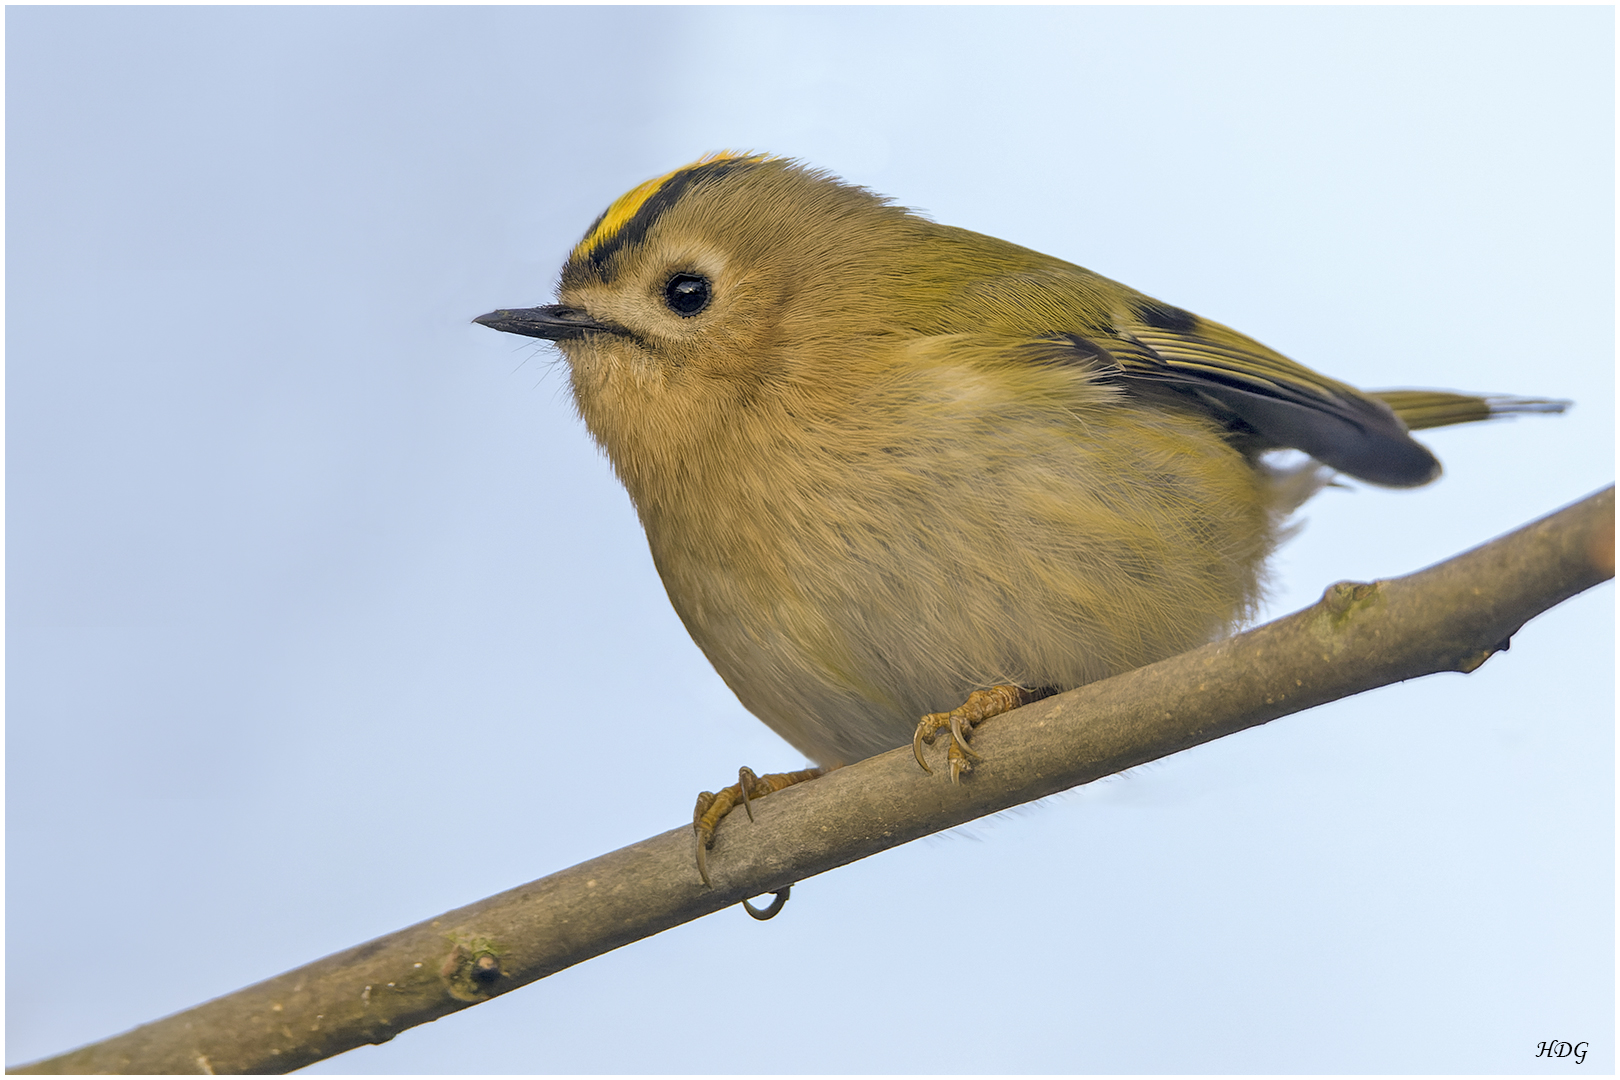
[{"x": 1419, "y": 409}]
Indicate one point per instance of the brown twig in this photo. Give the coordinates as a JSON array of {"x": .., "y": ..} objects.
[{"x": 1450, "y": 617}]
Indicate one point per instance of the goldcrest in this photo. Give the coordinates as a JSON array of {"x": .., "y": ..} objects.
[{"x": 883, "y": 463}]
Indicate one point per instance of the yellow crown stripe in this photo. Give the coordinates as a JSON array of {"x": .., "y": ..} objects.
[{"x": 618, "y": 215}]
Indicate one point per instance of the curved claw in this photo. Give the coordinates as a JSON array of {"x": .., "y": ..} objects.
[
  {"x": 776, "y": 905},
  {"x": 959, "y": 737},
  {"x": 705, "y": 837},
  {"x": 916, "y": 747},
  {"x": 745, "y": 780},
  {"x": 702, "y": 860}
]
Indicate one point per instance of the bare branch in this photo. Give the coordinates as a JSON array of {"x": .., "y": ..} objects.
[{"x": 1450, "y": 617}]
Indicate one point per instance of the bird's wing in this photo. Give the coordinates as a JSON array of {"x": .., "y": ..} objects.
[{"x": 1285, "y": 404}]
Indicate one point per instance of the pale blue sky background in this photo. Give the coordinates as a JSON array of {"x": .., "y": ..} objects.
[{"x": 323, "y": 611}]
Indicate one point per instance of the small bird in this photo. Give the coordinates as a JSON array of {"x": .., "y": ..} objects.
[{"x": 886, "y": 466}]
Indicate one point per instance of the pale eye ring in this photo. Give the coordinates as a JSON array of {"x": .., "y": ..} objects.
[{"x": 686, "y": 294}]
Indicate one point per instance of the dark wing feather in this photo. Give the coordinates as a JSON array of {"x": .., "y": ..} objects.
[{"x": 1284, "y": 403}]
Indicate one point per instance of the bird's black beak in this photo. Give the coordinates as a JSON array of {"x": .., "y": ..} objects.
[{"x": 554, "y": 322}]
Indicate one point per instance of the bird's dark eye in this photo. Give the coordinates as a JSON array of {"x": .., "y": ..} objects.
[{"x": 687, "y": 294}]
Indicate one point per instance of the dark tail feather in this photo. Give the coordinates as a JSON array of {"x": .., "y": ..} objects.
[{"x": 1419, "y": 409}]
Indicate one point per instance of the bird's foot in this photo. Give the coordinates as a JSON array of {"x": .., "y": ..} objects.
[
  {"x": 712, "y": 806},
  {"x": 980, "y": 706}
]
